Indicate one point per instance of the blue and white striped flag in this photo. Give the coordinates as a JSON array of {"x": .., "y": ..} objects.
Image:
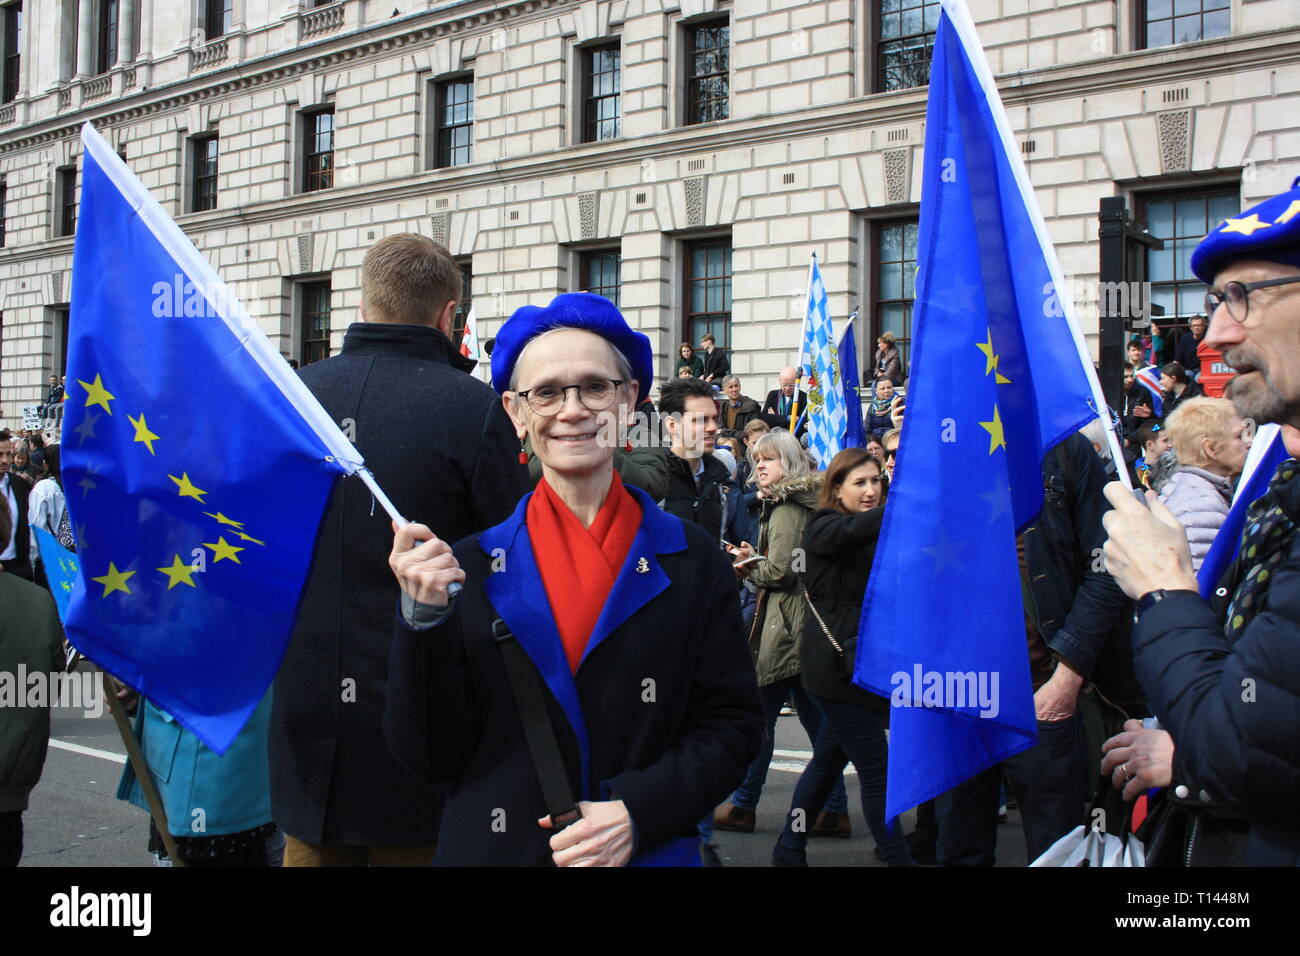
[{"x": 827, "y": 414}]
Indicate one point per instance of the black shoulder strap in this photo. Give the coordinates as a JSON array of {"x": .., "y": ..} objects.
[{"x": 538, "y": 731}]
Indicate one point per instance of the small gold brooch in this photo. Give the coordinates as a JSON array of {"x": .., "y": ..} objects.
[{"x": 642, "y": 566}]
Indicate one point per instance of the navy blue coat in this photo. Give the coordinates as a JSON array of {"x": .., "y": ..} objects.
[
  {"x": 442, "y": 448},
  {"x": 1234, "y": 709},
  {"x": 663, "y": 712}
]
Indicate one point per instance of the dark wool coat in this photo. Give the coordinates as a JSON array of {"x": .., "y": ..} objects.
[
  {"x": 663, "y": 712},
  {"x": 1234, "y": 709},
  {"x": 716, "y": 364},
  {"x": 21, "y": 566},
  {"x": 840, "y": 549},
  {"x": 772, "y": 416},
  {"x": 442, "y": 448},
  {"x": 702, "y": 504}
]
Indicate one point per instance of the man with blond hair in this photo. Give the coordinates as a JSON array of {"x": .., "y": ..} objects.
[{"x": 442, "y": 448}]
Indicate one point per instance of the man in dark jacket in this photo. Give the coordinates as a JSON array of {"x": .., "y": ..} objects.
[
  {"x": 784, "y": 399},
  {"x": 1185, "y": 352},
  {"x": 716, "y": 365},
  {"x": 31, "y": 638},
  {"x": 442, "y": 448},
  {"x": 15, "y": 549},
  {"x": 695, "y": 477},
  {"x": 1136, "y": 407},
  {"x": 1072, "y": 611},
  {"x": 735, "y": 411},
  {"x": 1224, "y": 679}
]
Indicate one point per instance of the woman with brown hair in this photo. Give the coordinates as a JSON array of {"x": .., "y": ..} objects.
[
  {"x": 687, "y": 358},
  {"x": 840, "y": 545}
]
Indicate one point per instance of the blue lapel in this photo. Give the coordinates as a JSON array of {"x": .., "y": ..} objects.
[
  {"x": 519, "y": 597},
  {"x": 660, "y": 533}
]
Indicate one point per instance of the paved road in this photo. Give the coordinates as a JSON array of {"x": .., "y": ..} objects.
[{"x": 75, "y": 818}]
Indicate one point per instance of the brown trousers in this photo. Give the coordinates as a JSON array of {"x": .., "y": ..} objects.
[{"x": 300, "y": 853}]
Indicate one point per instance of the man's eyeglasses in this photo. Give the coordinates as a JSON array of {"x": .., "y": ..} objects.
[
  {"x": 1236, "y": 296},
  {"x": 596, "y": 395}
]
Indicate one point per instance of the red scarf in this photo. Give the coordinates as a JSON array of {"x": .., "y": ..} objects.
[{"x": 579, "y": 565}]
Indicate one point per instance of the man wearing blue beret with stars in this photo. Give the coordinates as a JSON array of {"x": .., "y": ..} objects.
[{"x": 1224, "y": 676}]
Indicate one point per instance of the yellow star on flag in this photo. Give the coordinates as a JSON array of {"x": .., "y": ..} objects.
[
  {"x": 224, "y": 551},
  {"x": 994, "y": 428},
  {"x": 142, "y": 433},
  {"x": 97, "y": 394},
  {"x": 222, "y": 519},
  {"x": 991, "y": 360},
  {"x": 1247, "y": 226},
  {"x": 1288, "y": 214},
  {"x": 187, "y": 488},
  {"x": 178, "y": 573},
  {"x": 114, "y": 580},
  {"x": 249, "y": 537}
]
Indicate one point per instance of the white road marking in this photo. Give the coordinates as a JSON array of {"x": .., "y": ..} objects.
[
  {"x": 88, "y": 751},
  {"x": 796, "y": 761}
]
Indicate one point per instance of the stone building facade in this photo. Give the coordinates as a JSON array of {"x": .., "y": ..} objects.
[{"x": 685, "y": 156}]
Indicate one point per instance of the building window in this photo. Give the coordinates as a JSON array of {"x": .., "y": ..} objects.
[
  {"x": 204, "y": 195},
  {"x": 602, "y": 84},
  {"x": 106, "y": 39},
  {"x": 905, "y": 31},
  {"x": 66, "y": 200},
  {"x": 4, "y": 199},
  {"x": 466, "y": 301},
  {"x": 318, "y": 151},
  {"x": 707, "y": 72},
  {"x": 1181, "y": 219},
  {"x": 454, "y": 122},
  {"x": 13, "y": 32},
  {"x": 599, "y": 273},
  {"x": 314, "y": 299},
  {"x": 1165, "y": 22},
  {"x": 708, "y": 291},
  {"x": 217, "y": 17},
  {"x": 895, "y": 286}
]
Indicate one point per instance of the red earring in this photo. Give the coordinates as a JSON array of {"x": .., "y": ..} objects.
[{"x": 523, "y": 455}]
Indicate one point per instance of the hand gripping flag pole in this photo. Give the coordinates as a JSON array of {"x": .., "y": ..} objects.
[{"x": 192, "y": 552}]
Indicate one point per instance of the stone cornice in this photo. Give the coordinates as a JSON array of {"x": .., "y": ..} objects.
[{"x": 371, "y": 42}]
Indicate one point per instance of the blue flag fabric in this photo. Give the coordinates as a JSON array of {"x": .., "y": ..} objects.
[
  {"x": 60, "y": 566},
  {"x": 943, "y": 624},
  {"x": 1149, "y": 378},
  {"x": 821, "y": 365},
  {"x": 1257, "y": 474},
  {"x": 197, "y": 466},
  {"x": 854, "y": 436}
]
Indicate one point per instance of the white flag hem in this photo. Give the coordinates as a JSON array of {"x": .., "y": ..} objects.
[
  {"x": 200, "y": 272},
  {"x": 961, "y": 19}
]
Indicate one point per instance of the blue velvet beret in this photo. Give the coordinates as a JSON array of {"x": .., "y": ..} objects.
[
  {"x": 573, "y": 310},
  {"x": 1269, "y": 231}
]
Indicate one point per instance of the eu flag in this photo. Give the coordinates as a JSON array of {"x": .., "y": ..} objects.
[
  {"x": 998, "y": 379},
  {"x": 854, "y": 437},
  {"x": 197, "y": 466}
]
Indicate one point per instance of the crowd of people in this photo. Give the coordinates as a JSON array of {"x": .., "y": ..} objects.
[{"x": 579, "y": 651}]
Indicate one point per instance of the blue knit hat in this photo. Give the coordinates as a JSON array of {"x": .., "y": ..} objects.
[
  {"x": 1269, "y": 231},
  {"x": 573, "y": 310}
]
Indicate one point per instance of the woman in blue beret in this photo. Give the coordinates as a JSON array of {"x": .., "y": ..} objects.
[{"x": 645, "y": 707}]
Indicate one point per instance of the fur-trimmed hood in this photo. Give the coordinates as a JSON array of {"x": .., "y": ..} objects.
[{"x": 802, "y": 490}]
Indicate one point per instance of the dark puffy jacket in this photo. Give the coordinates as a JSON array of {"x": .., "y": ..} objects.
[
  {"x": 703, "y": 504},
  {"x": 1084, "y": 617},
  {"x": 1234, "y": 709}
]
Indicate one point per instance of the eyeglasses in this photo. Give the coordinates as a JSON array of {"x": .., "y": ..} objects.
[
  {"x": 1236, "y": 296},
  {"x": 596, "y": 395}
]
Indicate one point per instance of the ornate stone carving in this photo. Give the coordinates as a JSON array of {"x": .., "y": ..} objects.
[
  {"x": 306, "y": 240},
  {"x": 316, "y": 22},
  {"x": 695, "y": 201},
  {"x": 440, "y": 228},
  {"x": 898, "y": 175},
  {"x": 211, "y": 54},
  {"x": 1175, "y": 141},
  {"x": 588, "y": 206}
]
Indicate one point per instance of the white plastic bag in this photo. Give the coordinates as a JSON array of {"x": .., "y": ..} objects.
[{"x": 1093, "y": 846}]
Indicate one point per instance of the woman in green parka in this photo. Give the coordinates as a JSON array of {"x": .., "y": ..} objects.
[{"x": 787, "y": 495}]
